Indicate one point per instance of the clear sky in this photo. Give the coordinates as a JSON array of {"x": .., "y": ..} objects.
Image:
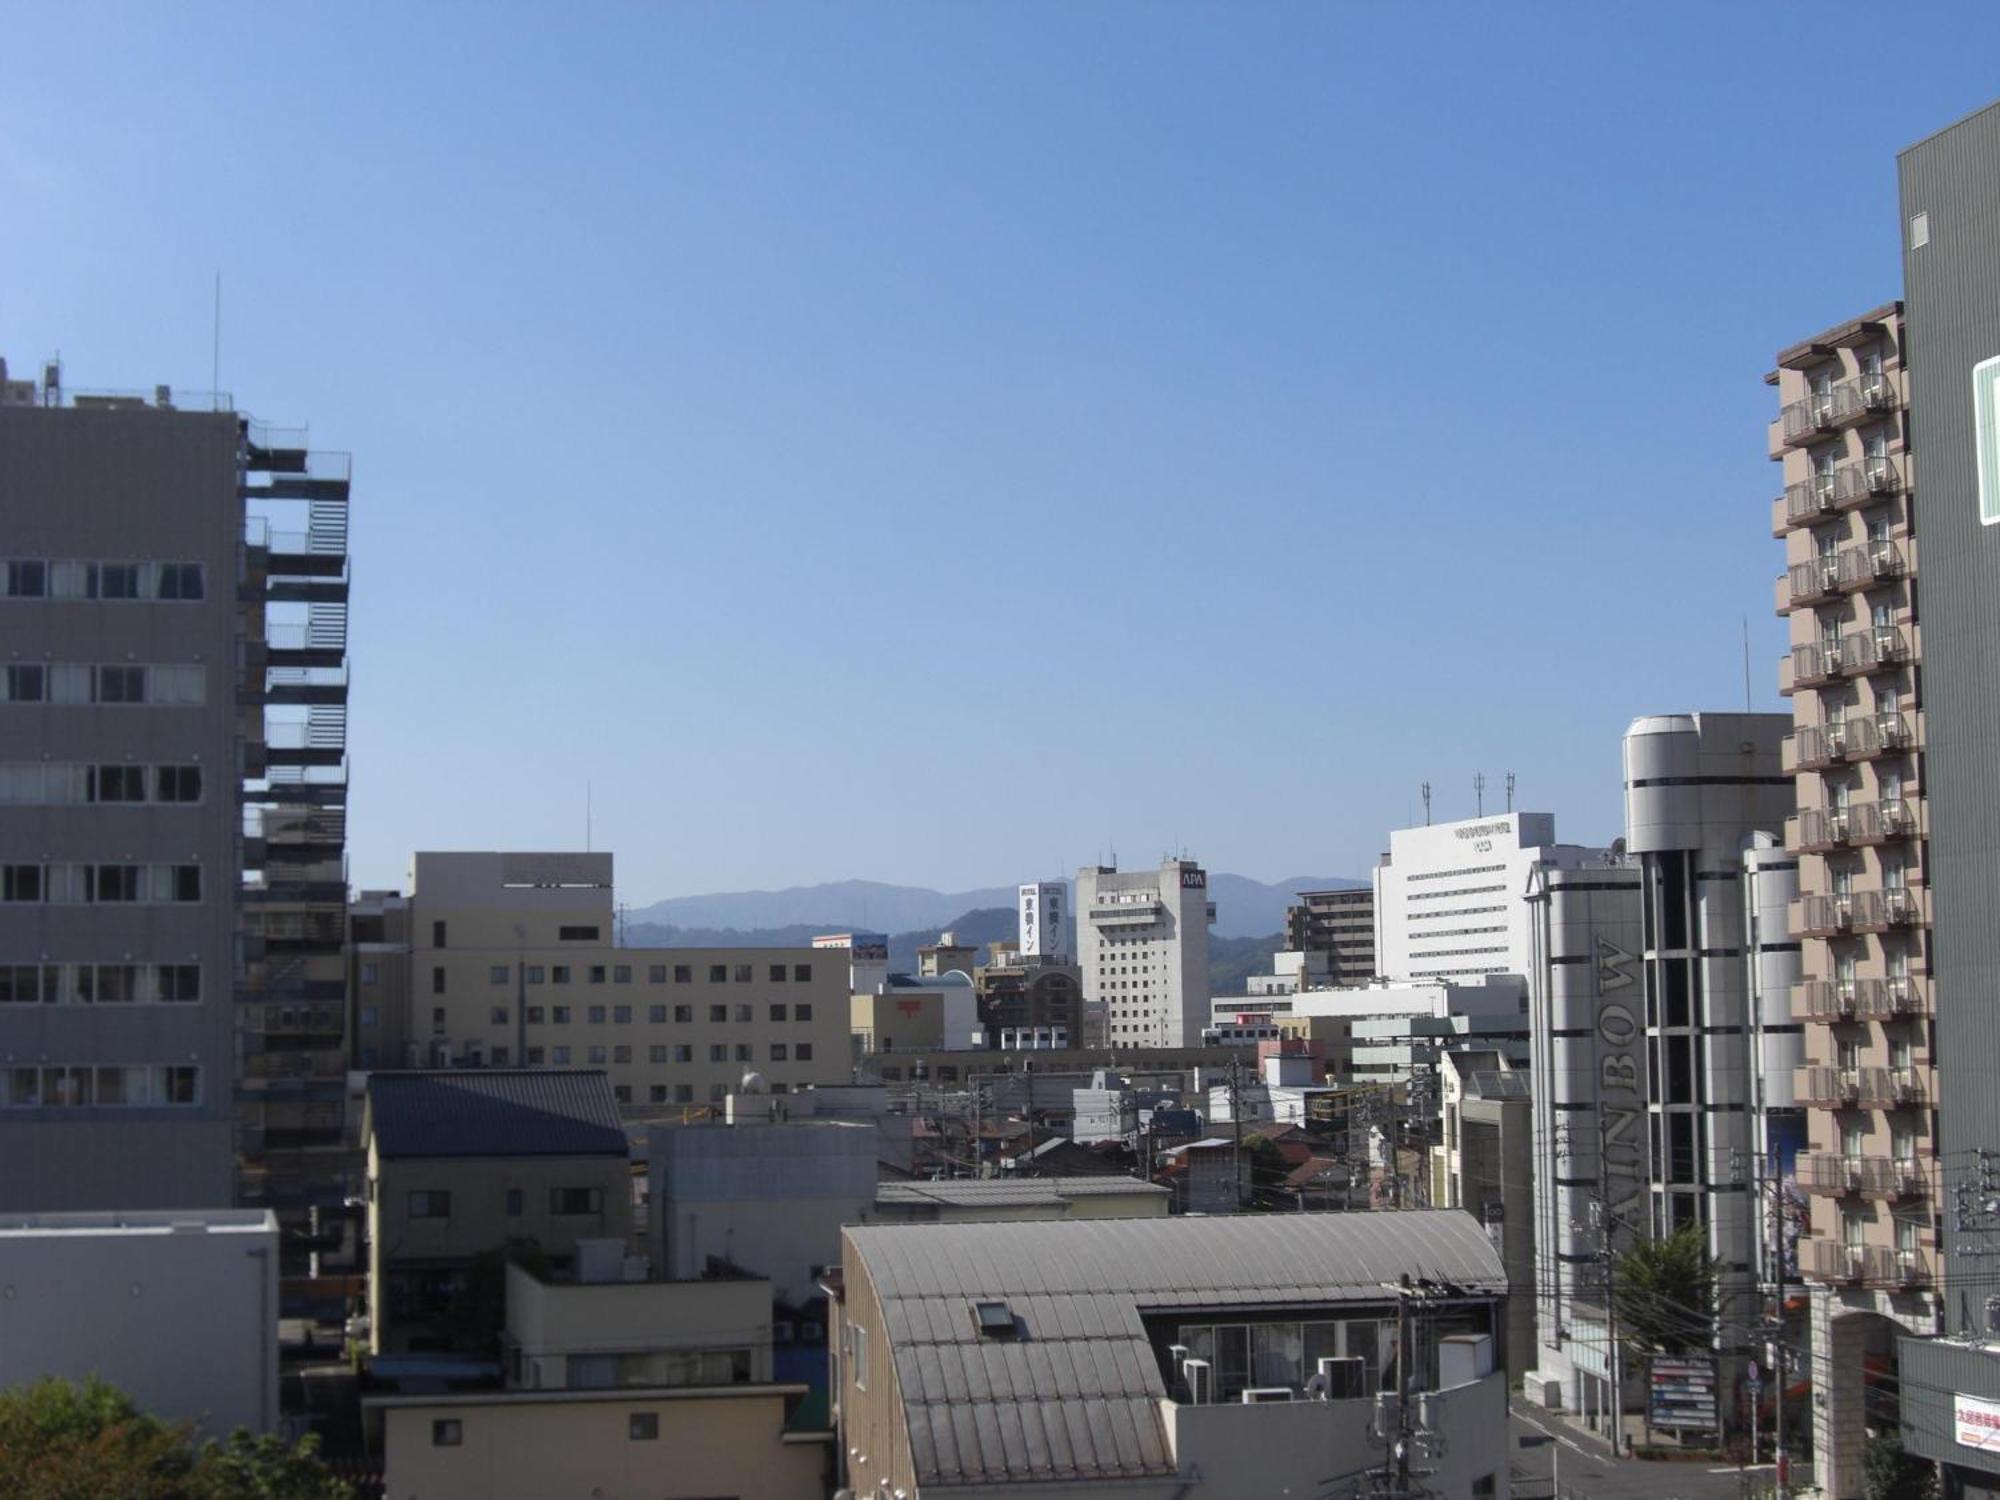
[{"x": 936, "y": 442}]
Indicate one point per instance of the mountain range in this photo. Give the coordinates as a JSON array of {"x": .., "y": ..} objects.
[{"x": 1243, "y": 907}]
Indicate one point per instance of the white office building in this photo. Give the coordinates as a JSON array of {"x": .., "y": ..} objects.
[
  {"x": 1143, "y": 938},
  {"x": 1448, "y": 901}
]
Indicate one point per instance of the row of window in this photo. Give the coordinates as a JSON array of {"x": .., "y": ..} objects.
[
  {"x": 564, "y": 1202},
  {"x": 100, "y": 984},
  {"x": 40, "y": 578},
  {"x": 718, "y": 1052},
  {"x": 621, "y": 1015},
  {"x": 164, "y": 685},
  {"x": 85, "y": 885},
  {"x": 148, "y": 1086},
  {"x": 640, "y": 1426},
  {"x": 35, "y": 783},
  {"x": 499, "y": 974}
]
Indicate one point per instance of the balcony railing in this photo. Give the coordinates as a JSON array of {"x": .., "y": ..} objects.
[
  {"x": 1816, "y": 578},
  {"x": 1825, "y": 999},
  {"x": 1872, "y": 1088},
  {"x": 1825, "y": 916},
  {"x": 1832, "y": 1088},
  {"x": 1810, "y": 497},
  {"x": 1894, "y": 732},
  {"x": 1804, "y": 421},
  {"x": 1888, "y": 821},
  {"x": 1816, "y": 662},
  {"x": 1868, "y": 1176},
  {"x": 1822, "y": 828},
  {"x": 1879, "y": 911},
  {"x": 1829, "y": 1260},
  {"x": 1873, "y": 1265},
  {"x": 1865, "y": 396},
  {"x": 1872, "y": 649},
  {"x": 1828, "y": 744}
]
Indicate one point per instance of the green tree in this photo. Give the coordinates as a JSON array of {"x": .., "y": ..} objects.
[
  {"x": 61, "y": 1440},
  {"x": 1267, "y": 1171},
  {"x": 1889, "y": 1473},
  {"x": 1666, "y": 1292}
]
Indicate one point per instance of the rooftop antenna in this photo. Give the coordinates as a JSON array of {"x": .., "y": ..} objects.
[
  {"x": 1427, "y": 804},
  {"x": 215, "y": 358},
  {"x": 1479, "y": 790},
  {"x": 1510, "y": 791},
  {"x": 1746, "y": 664}
]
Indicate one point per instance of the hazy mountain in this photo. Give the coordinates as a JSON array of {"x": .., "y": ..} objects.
[{"x": 1243, "y": 907}]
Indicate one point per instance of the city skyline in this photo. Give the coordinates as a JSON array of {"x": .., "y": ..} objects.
[{"x": 794, "y": 424}]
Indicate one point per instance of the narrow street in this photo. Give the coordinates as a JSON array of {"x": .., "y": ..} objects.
[{"x": 1550, "y": 1460}]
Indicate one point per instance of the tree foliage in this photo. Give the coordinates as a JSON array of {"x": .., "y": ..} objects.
[
  {"x": 1888, "y": 1473},
  {"x": 1666, "y": 1292},
  {"x": 61, "y": 1440},
  {"x": 1267, "y": 1170}
]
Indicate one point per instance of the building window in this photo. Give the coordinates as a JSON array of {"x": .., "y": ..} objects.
[
  {"x": 27, "y": 580},
  {"x": 537, "y": 1056},
  {"x": 802, "y": 1012},
  {"x": 777, "y": 1052},
  {"x": 657, "y": 1054},
  {"x": 500, "y": 1057},
  {"x": 718, "y": 1092},
  {"x": 684, "y": 1014},
  {"x": 656, "y": 974},
  {"x": 497, "y": 1016},
  {"x": 744, "y": 1014},
  {"x": 577, "y": 934},
  {"x": 803, "y": 1051},
  {"x": 683, "y": 1053},
  {"x": 802, "y": 973},
  {"x": 718, "y": 1052},
  {"x": 596, "y": 1055},
  {"x": 718, "y": 973},
  {"x": 595, "y": 1014},
  {"x": 622, "y": 1092},
  {"x": 715, "y": 1012},
  {"x": 517, "y": 1203},
  {"x": 683, "y": 974},
  {"x": 573, "y": 1202},
  {"x": 743, "y": 973},
  {"x": 621, "y": 973},
  {"x": 622, "y": 1014},
  {"x": 498, "y": 974},
  {"x": 777, "y": 973},
  {"x": 683, "y": 1093},
  {"x": 118, "y": 783},
  {"x": 447, "y": 1432},
  {"x": 437, "y": 935},
  {"x": 777, "y": 1012},
  {"x": 656, "y": 1014},
  {"x": 621, "y": 1054},
  {"x": 371, "y": 1015},
  {"x": 430, "y": 1203},
  {"x": 534, "y": 973},
  {"x": 535, "y": 1015},
  {"x": 657, "y": 1094},
  {"x": 597, "y": 973},
  {"x": 560, "y": 975},
  {"x": 644, "y": 1426},
  {"x": 561, "y": 1015},
  {"x": 743, "y": 1052},
  {"x": 437, "y": 979},
  {"x": 562, "y": 1057}
]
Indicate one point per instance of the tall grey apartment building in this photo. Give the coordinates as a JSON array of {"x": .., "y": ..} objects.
[{"x": 159, "y": 866}]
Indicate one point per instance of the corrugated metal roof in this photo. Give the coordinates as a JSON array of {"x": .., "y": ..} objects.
[
  {"x": 1013, "y": 1192},
  {"x": 495, "y": 1112},
  {"x": 1076, "y": 1395}
]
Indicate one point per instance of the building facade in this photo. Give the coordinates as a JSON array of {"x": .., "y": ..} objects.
[
  {"x": 1142, "y": 939},
  {"x": 157, "y": 629},
  {"x": 1045, "y": 921},
  {"x": 1949, "y": 199},
  {"x": 1338, "y": 924},
  {"x": 1448, "y": 901}
]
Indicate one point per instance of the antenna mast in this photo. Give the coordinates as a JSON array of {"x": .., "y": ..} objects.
[{"x": 1479, "y": 791}]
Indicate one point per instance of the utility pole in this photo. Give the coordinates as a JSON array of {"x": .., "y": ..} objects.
[
  {"x": 1236, "y": 1119},
  {"x": 1400, "y": 1452},
  {"x": 1613, "y": 1363}
]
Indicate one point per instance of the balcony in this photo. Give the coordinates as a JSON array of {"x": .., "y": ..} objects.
[
  {"x": 1825, "y": 916},
  {"x": 1890, "y": 821},
  {"x": 1817, "y": 746},
  {"x": 1814, "y": 580},
  {"x": 1894, "y": 732},
  {"x": 1831, "y": 1088},
  {"x": 1864, "y": 397},
  {"x": 1873, "y": 650},
  {"x": 1809, "y": 499},
  {"x": 1807, "y": 421},
  {"x": 1831, "y": 1261},
  {"x": 1883, "y": 911},
  {"x": 1875, "y": 477},
  {"x": 1900, "y": 995},
  {"x": 1821, "y": 829},
  {"x": 1826, "y": 999},
  {"x": 1816, "y": 663},
  {"x": 1865, "y": 1176}
]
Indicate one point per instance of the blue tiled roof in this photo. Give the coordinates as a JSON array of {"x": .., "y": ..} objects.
[{"x": 495, "y": 1112}]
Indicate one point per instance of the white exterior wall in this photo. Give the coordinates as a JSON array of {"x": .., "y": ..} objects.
[
  {"x": 1448, "y": 897},
  {"x": 1044, "y": 917},
  {"x": 179, "y": 1311},
  {"x": 1143, "y": 951}
]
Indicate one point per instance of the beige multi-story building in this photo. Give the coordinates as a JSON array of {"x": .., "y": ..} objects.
[
  {"x": 509, "y": 959},
  {"x": 1863, "y": 915}
]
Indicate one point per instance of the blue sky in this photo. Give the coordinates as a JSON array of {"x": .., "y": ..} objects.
[{"x": 939, "y": 442}]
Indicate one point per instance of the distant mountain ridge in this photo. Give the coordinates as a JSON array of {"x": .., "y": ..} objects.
[{"x": 1243, "y": 907}]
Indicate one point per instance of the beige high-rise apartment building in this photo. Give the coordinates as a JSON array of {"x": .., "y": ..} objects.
[
  {"x": 510, "y": 960},
  {"x": 1869, "y": 1166}
]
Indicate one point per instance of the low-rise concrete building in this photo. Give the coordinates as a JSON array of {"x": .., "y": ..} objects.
[
  {"x": 615, "y": 1386},
  {"x": 463, "y": 1163},
  {"x": 1228, "y": 1357},
  {"x": 938, "y": 1013},
  {"x": 178, "y": 1310}
]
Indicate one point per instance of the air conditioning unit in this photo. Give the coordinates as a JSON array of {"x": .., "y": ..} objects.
[
  {"x": 1261, "y": 1395},
  {"x": 1200, "y": 1377}
]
